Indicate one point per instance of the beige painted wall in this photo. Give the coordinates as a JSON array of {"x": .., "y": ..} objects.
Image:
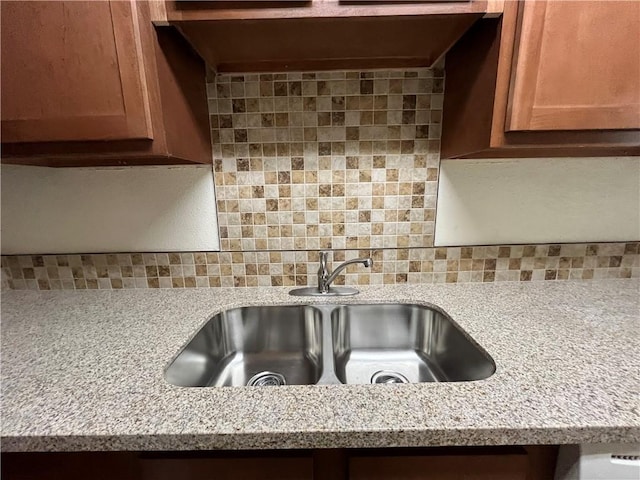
[
  {"x": 484, "y": 202},
  {"x": 480, "y": 202},
  {"x": 132, "y": 209}
]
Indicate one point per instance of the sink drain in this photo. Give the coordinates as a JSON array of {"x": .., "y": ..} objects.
[
  {"x": 386, "y": 376},
  {"x": 266, "y": 379}
]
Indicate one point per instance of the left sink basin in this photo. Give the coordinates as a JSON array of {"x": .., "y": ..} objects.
[{"x": 263, "y": 345}]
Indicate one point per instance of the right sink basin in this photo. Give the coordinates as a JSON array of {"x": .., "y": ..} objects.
[{"x": 403, "y": 343}]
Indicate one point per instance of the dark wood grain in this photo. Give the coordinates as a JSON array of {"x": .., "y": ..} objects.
[
  {"x": 443, "y": 463},
  {"x": 71, "y": 466},
  {"x": 468, "y": 110},
  {"x": 322, "y": 43},
  {"x": 250, "y": 468},
  {"x": 472, "y": 467},
  {"x": 183, "y": 98}
]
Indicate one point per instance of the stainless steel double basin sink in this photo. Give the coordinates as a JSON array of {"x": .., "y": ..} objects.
[{"x": 329, "y": 344}]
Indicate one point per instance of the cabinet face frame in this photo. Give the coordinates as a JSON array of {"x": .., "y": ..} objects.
[
  {"x": 180, "y": 10},
  {"x": 134, "y": 123}
]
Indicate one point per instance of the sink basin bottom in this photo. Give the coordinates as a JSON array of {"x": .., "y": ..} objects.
[
  {"x": 241, "y": 368},
  {"x": 361, "y": 365}
]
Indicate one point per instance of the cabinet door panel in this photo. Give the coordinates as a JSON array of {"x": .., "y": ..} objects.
[
  {"x": 77, "y": 75},
  {"x": 228, "y": 469},
  {"x": 576, "y": 66},
  {"x": 468, "y": 467}
]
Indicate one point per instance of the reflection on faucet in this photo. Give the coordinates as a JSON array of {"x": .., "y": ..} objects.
[{"x": 325, "y": 278}]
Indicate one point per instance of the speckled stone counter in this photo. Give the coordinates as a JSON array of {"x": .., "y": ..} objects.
[{"x": 83, "y": 370}]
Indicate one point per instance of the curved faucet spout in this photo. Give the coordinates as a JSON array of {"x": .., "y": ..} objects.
[{"x": 325, "y": 278}]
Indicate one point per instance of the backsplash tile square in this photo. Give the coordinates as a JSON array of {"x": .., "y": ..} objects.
[{"x": 342, "y": 160}]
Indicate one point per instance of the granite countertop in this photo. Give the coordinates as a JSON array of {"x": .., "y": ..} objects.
[{"x": 83, "y": 370}]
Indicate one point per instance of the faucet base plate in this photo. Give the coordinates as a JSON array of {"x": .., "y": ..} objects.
[{"x": 314, "y": 292}]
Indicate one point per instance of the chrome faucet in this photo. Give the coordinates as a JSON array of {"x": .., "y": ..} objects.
[{"x": 325, "y": 278}]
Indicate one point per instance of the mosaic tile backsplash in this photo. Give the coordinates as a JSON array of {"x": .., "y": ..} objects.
[
  {"x": 343, "y": 159},
  {"x": 298, "y": 268}
]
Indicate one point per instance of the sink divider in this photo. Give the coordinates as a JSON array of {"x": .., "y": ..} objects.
[{"x": 328, "y": 376}]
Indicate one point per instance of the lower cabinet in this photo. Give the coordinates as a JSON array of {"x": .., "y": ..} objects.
[
  {"x": 440, "y": 467},
  {"x": 240, "y": 467},
  {"x": 455, "y": 463},
  {"x": 70, "y": 466}
]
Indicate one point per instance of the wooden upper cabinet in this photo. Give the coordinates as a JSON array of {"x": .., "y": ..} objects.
[
  {"x": 93, "y": 83},
  {"x": 548, "y": 78},
  {"x": 76, "y": 76},
  {"x": 576, "y": 67}
]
